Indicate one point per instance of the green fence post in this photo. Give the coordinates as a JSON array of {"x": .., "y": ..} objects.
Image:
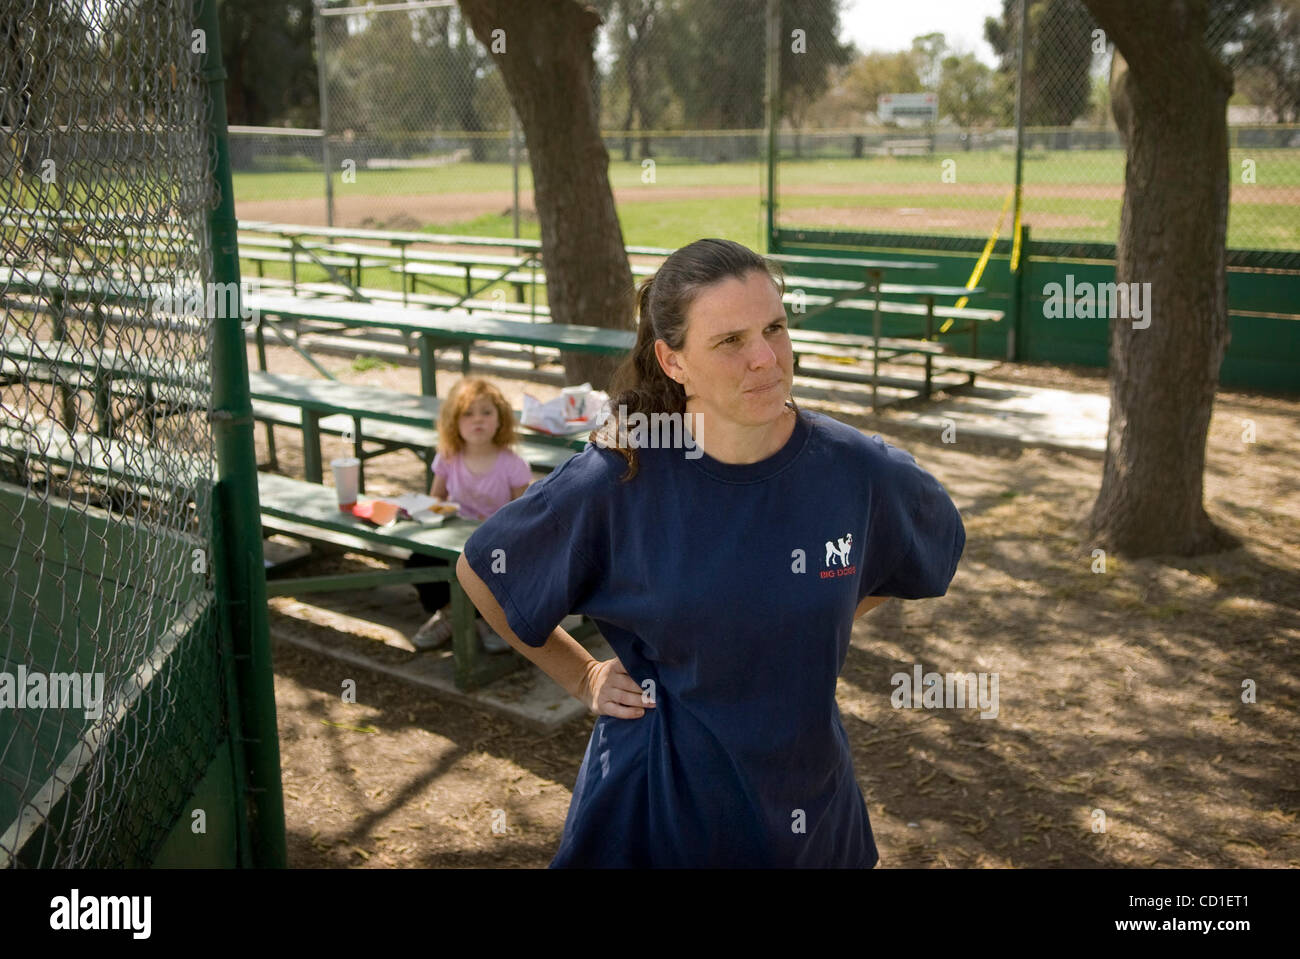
[
  {"x": 241, "y": 538},
  {"x": 772, "y": 111}
]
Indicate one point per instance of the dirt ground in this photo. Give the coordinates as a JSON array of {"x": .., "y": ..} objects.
[
  {"x": 401, "y": 212},
  {"x": 1120, "y": 692}
]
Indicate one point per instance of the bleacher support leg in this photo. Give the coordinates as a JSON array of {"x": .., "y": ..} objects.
[
  {"x": 311, "y": 456},
  {"x": 929, "y": 336},
  {"x": 874, "y": 276},
  {"x": 428, "y": 366}
]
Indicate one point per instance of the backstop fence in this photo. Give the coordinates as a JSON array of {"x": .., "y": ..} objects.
[{"x": 137, "y": 725}]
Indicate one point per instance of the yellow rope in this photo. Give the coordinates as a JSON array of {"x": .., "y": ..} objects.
[{"x": 984, "y": 257}]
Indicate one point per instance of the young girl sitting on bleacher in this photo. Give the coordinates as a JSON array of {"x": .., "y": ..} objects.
[{"x": 475, "y": 468}]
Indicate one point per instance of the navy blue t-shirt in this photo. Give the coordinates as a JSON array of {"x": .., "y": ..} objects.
[{"x": 732, "y": 587}]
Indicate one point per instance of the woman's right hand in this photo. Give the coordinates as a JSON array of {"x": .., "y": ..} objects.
[{"x": 607, "y": 690}]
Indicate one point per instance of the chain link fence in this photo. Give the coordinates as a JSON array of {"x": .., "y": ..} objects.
[
  {"x": 952, "y": 170},
  {"x": 419, "y": 133},
  {"x": 1074, "y": 158},
  {"x": 112, "y": 682}
]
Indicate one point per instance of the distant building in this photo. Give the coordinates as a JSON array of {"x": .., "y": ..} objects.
[
  {"x": 908, "y": 109},
  {"x": 1250, "y": 113}
]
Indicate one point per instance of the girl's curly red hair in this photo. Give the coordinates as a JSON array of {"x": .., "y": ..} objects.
[{"x": 462, "y": 395}]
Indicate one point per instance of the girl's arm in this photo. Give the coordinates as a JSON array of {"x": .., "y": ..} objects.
[
  {"x": 517, "y": 491},
  {"x": 439, "y": 487}
]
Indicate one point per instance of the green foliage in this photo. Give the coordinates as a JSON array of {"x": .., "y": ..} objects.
[
  {"x": 404, "y": 74},
  {"x": 266, "y": 46},
  {"x": 1261, "y": 40},
  {"x": 1058, "y": 57},
  {"x": 856, "y": 88},
  {"x": 966, "y": 91},
  {"x": 366, "y": 363}
]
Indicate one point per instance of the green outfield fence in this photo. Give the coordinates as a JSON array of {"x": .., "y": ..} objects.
[
  {"x": 137, "y": 718},
  {"x": 1045, "y": 156},
  {"x": 1264, "y": 352}
]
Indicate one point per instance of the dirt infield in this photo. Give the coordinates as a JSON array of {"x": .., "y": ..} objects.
[
  {"x": 411, "y": 211},
  {"x": 1121, "y": 692},
  {"x": 912, "y": 218}
]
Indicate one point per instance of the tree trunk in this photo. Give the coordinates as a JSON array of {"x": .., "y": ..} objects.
[
  {"x": 1171, "y": 106},
  {"x": 547, "y": 65}
]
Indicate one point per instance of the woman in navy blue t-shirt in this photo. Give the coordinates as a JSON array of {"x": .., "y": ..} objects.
[{"x": 723, "y": 541}]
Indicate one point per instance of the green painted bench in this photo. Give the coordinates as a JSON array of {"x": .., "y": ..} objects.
[
  {"x": 310, "y": 511},
  {"x": 153, "y": 473},
  {"x": 435, "y": 329},
  {"x": 394, "y": 420},
  {"x": 156, "y": 387}
]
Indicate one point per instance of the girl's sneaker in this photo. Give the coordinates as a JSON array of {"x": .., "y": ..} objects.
[
  {"x": 491, "y": 641},
  {"x": 433, "y": 633}
]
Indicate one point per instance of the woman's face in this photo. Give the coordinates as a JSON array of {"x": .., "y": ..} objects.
[
  {"x": 478, "y": 424},
  {"x": 737, "y": 362}
]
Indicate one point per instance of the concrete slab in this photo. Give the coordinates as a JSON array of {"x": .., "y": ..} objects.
[
  {"x": 1030, "y": 415},
  {"x": 1014, "y": 412}
]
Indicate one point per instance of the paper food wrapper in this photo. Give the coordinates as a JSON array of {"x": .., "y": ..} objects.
[
  {"x": 391, "y": 509},
  {"x": 548, "y": 417}
]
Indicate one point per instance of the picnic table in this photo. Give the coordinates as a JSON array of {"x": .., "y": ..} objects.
[
  {"x": 310, "y": 511},
  {"x": 395, "y": 237},
  {"x": 156, "y": 385},
  {"x": 435, "y": 329},
  {"x": 396, "y": 420},
  {"x": 329, "y": 259},
  {"x": 156, "y": 474}
]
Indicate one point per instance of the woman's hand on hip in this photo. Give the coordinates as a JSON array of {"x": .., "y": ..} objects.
[{"x": 607, "y": 690}]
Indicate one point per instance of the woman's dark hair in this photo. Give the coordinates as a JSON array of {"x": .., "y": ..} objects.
[{"x": 639, "y": 384}]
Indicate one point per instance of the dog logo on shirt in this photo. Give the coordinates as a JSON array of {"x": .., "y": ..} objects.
[
  {"x": 837, "y": 554},
  {"x": 839, "y": 550}
]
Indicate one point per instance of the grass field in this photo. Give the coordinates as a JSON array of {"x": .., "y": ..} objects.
[{"x": 1068, "y": 196}]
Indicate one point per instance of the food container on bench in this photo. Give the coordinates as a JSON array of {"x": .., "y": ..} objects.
[
  {"x": 347, "y": 474},
  {"x": 575, "y": 401}
]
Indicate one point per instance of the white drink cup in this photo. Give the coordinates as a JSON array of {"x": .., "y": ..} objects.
[
  {"x": 575, "y": 401},
  {"x": 347, "y": 474}
]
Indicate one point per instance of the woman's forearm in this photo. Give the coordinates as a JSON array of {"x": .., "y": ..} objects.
[
  {"x": 562, "y": 657},
  {"x": 868, "y": 604}
]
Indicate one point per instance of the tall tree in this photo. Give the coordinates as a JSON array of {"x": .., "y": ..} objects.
[
  {"x": 928, "y": 52},
  {"x": 404, "y": 74},
  {"x": 1267, "y": 35},
  {"x": 639, "y": 40},
  {"x": 810, "y": 52},
  {"x": 716, "y": 60},
  {"x": 856, "y": 88},
  {"x": 544, "y": 50},
  {"x": 966, "y": 92},
  {"x": 266, "y": 46},
  {"x": 1170, "y": 103},
  {"x": 1058, "y": 56}
]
